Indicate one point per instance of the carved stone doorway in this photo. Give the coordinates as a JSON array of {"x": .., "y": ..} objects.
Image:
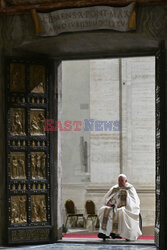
[
  {"x": 159, "y": 103},
  {"x": 24, "y": 144},
  {"x": 104, "y": 93}
]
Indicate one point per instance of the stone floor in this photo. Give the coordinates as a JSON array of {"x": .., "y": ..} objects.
[{"x": 77, "y": 246}]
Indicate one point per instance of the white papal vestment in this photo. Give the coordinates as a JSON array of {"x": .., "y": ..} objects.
[{"x": 123, "y": 221}]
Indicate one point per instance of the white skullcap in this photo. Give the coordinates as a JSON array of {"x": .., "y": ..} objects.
[{"x": 122, "y": 175}]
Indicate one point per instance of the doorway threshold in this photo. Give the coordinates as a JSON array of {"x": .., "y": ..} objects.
[{"x": 108, "y": 241}]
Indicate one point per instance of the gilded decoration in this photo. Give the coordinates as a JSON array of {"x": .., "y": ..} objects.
[
  {"x": 38, "y": 208},
  {"x": 38, "y": 143},
  {"x": 38, "y": 165},
  {"x": 37, "y": 122},
  {"x": 17, "y": 77},
  {"x": 37, "y": 79},
  {"x": 30, "y": 234},
  {"x": 17, "y": 121},
  {"x": 38, "y": 100},
  {"x": 17, "y": 165},
  {"x": 18, "y": 209},
  {"x": 123, "y": 195}
]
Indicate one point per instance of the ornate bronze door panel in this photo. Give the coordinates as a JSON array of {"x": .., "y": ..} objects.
[
  {"x": 28, "y": 151},
  {"x": 160, "y": 149}
]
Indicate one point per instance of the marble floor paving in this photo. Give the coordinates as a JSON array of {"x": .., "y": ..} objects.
[{"x": 69, "y": 246}]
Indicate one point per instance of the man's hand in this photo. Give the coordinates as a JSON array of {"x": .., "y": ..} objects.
[
  {"x": 109, "y": 204},
  {"x": 120, "y": 205}
]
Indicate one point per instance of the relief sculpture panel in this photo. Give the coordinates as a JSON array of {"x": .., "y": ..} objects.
[
  {"x": 38, "y": 165},
  {"x": 38, "y": 208},
  {"x": 37, "y": 79},
  {"x": 17, "y": 165},
  {"x": 28, "y": 149},
  {"x": 17, "y": 121},
  {"x": 18, "y": 209},
  {"x": 37, "y": 122},
  {"x": 17, "y": 77}
]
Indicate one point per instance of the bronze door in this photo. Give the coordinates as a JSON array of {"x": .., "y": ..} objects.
[{"x": 28, "y": 151}]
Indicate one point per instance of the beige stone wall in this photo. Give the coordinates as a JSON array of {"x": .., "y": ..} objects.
[
  {"x": 104, "y": 106},
  {"x": 138, "y": 120},
  {"x": 119, "y": 90},
  {"x": 75, "y": 107},
  {"x": 138, "y": 130}
]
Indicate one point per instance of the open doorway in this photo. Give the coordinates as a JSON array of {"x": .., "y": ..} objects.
[{"x": 120, "y": 95}]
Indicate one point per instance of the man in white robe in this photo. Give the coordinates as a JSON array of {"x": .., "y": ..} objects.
[{"x": 119, "y": 217}]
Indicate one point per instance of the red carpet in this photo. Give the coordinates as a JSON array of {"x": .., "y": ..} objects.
[{"x": 94, "y": 236}]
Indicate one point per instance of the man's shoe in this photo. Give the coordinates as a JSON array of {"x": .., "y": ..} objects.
[
  {"x": 112, "y": 235},
  {"x": 118, "y": 237},
  {"x": 103, "y": 236},
  {"x": 127, "y": 239},
  {"x": 115, "y": 236}
]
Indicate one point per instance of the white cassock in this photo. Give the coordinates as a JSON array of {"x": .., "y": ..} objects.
[{"x": 123, "y": 221}]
